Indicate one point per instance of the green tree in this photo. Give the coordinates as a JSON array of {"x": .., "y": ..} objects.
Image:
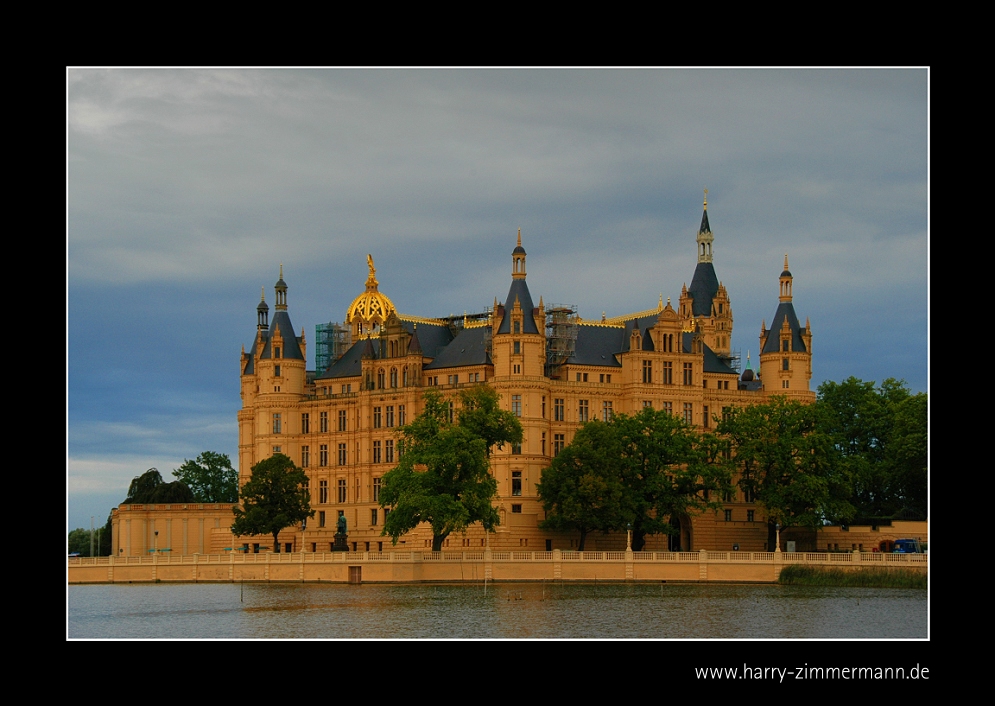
[
  {"x": 211, "y": 478},
  {"x": 442, "y": 476},
  {"x": 582, "y": 489},
  {"x": 79, "y": 540},
  {"x": 880, "y": 435},
  {"x": 149, "y": 488},
  {"x": 275, "y": 497},
  {"x": 668, "y": 471},
  {"x": 788, "y": 464}
]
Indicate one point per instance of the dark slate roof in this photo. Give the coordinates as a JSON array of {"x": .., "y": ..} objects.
[
  {"x": 263, "y": 306},
  {"x": 521, "y": 290},
  {"x": 468, "y": 348},
  {"x": 597, "y": 345},
  {"x": 704, "y": 223},
  {"x": 350, "y": 365},
  {"x": 712, "y": 363},
  {"x": 291, "y": 349},
  {"x": 431, "y": 338},
  {"x": 773, "y": 344},
  {"x": 704, "y": 286},
  {"x": 518, "y": 249}
]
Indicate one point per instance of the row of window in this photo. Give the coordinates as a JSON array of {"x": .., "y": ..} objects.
[
  {"x": 374, "y": 517},
  {"x": 749, "y": 515},
  {"x": 343, "y": 494},
  {"x": 383, "y": 452},
  {"x": 382, "y": 416}
]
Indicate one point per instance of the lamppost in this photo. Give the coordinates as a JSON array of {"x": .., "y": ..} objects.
[
  {"x": 628, "y": 541},
  {"x": 777, "y": 530}
]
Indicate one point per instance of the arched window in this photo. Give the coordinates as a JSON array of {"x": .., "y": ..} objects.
[
  {"x": 381, "y": 379},
  {"x": 405, "y": 378},
  {"x": 393, "y": 377}
]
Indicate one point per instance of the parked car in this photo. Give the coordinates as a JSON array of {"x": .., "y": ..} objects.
[{"x": 907, "y": 546}]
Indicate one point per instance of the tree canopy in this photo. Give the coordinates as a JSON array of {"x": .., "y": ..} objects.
[
  {"x": 442, "y": 476},
  {"x": 582, "y": 489},
  {"x": 787, "y": 464},
  {"x": 211, "y": 478},
  {"x": 880, "y": 434},
  {"x": 148, "y": 488},
  {"x": 275, "y": 497},
  {"x": 645, "y": 470}
]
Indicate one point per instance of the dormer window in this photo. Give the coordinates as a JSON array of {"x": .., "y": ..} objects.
[
  {"x": 276, "y": 353},
  {"x": 518, "y": 328}
]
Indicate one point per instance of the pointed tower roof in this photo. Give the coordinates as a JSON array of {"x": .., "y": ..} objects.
[
  {"x": 704, "y": 283},
  {"x": 415, "y": 345},
  {"x": 519, "y": 292}
]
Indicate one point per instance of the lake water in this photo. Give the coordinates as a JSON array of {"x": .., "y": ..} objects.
[{"x": 551, "y": 610}]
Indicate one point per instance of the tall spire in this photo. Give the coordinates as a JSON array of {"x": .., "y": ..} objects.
[
  {"x": 785, "y": 282},
  {"x": 704, "y": 237},
  {"x": 262, "y": 311},
  {"x": 518, "y": 259},
  {"x": 281, "y": 292}
]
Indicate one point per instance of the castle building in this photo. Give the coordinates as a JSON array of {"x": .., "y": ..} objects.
[{"x": 552, "y": 369}]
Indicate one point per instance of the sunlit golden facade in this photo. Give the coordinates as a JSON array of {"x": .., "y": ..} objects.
[{"x": 551, "y": 368}]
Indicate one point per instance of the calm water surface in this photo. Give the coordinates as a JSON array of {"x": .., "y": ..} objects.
[{"x": 503, "y": 611}]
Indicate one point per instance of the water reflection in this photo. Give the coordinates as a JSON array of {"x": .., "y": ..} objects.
[{"x": 551, "y": 610}]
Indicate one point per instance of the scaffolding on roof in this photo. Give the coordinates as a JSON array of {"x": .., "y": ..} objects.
[
  {"x": 331, "y": 342},
  {"x": 561, "y": 336}
]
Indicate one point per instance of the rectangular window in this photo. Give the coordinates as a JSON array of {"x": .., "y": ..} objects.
[
  {"x": 668, "y": 373},
  {"x": 688, "y": 412},
  {"x": 516, "y": 508},
  {"x": 389, "y": 451},
  {"x": 277, "y": 425},
  {"x": 305, "y": 456},
  {"x": 688, "y": 374},
  {"x": 321, "y": 518},
  {"x": 784, "y": 364},
  {"x": 342, "y": 455},
  {"x": 602, "y": 377},
  {"x": 585, "y": 377},
  {"x": 323, "y": 491},
  {"x": 647, "y": 403},
  {"x": 704, "y": 416},
  {"x": 454, "y": 379},
  {"x": 305, "y": 423},
  {"x": 376, "y": 417},
  {"x": 749, "y": 515},
  {"x": 582, "y": 411},
  {"x": 728, "y": 515},
  {"x": 323, "y": 422},
  {"x": 516, "y": 405},
  {"x": 606, "y": 411},
  {"x": 784, "y": 384},
  {"x": 516, "y": 448},
  {"x": 276, "y": 371},
  {"x": 516, "y": 482},
  {"x": 347, "y": 388},
  {"x": 343, "y": 420},
  {"x": 518, "y": 347},
  {"x": 668, "y": 407},
  {"x": 647, "y": 371},
  {"x": 608, "y": 378},
  {"x": 373, "y": 517},
  {"x": 543, "y": 406},
  {"x": 747, "y": 495},
  {"x": 342, "y": 491},
  {"x": 277, "y": 449},
  {"x": 389, "y": 416},
  {"x": 558, "y": 443},
  {"x": 578, "y": 377},
  {"x": 729, "y": 496},
  {"x": 452, "y": 411},
  {"x": 323, "y": 455},
  {"x": 725, "y": 414},
  {"x": 400, "y": 415},
  {"x": 376, "y": 452},
  {"x": 377, "y": 483},
  {"x": 559, "y": 410},
  {"x": 544, "y": 443}
]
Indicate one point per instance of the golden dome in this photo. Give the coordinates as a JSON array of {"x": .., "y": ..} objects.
[{"x": 370, "y": 307}]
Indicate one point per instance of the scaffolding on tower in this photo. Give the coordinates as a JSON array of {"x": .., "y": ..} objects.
[
  {"x": 331, "y": 342},
  {"x": 561, "y": 336}
]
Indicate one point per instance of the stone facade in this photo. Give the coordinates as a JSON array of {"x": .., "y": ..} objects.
[{"x": 551, "y": 368}]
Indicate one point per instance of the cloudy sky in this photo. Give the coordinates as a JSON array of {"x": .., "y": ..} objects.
[{"x": 188, "y": 188}]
